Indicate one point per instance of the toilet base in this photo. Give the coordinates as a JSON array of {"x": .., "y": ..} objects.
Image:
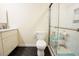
[{"x": 40, "y": 52}]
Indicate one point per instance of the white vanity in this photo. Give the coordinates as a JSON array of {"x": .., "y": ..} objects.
[{"x": 8, "y": 41}]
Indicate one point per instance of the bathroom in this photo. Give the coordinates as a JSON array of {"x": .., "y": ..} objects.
[{"x": 22, "y": 24}]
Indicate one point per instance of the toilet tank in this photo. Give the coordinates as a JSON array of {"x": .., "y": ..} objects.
[{"x": 40, "y": 35}]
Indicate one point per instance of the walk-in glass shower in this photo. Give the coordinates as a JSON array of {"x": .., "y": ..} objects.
[{"x": 64, "y": 29}]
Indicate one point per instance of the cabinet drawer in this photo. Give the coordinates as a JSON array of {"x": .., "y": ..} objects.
[{"x": 9, "y": 33}]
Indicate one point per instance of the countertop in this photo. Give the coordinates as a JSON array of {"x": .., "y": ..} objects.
[{"x": 4, "y": 30}]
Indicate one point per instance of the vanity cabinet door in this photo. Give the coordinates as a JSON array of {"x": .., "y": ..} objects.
[
  {"x": 10, "y": 41},
  {"x": 1, "y": 49}
]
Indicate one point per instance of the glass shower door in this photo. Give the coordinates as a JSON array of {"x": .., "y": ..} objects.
[
  {"x": 67, "y": 17},
  {"x": 64, "y": 35}
]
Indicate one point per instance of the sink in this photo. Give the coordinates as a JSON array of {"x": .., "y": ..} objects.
[{"x": 3, "y": 25}]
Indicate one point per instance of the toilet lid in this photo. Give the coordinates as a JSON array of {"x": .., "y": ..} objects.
[{"x": 41, "y": 43}]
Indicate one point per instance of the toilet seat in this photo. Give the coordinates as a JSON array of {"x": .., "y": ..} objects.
[{"x": 41, "y": 44}]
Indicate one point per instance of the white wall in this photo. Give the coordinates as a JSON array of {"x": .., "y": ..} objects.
[
  {"x": 3, "y": 18},
  {"x": 28, "y": 18}
]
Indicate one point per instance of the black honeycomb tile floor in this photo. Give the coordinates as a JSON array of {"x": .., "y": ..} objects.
[{"x": 27, "y": 51}]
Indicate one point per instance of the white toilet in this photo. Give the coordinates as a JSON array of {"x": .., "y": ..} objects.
[{"x": 40, "y": 44}]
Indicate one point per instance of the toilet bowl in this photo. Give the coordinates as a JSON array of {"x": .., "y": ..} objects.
[{"x": 40, "y": 44}]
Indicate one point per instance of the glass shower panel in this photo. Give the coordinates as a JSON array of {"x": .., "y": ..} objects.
[
  {"x": 53, "y": 30},
  {"x": 67, "y": 17},
  {"x": 68, "y": 45},
  {"x": 54, "y": 15}
]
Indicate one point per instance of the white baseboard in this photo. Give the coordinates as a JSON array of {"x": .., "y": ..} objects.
[{"x": 26, "y": 45}]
